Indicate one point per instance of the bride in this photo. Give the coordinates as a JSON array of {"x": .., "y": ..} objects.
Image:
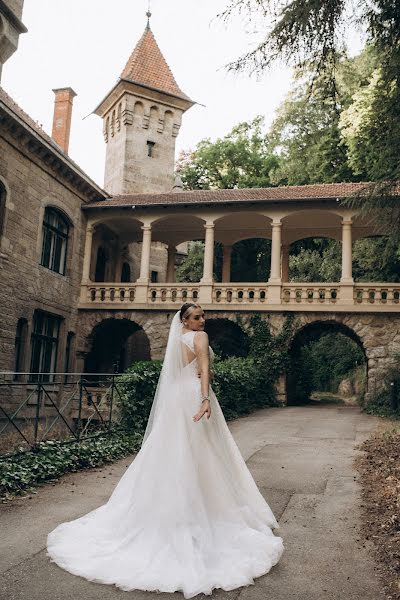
[{"x": 187, "y": 514}]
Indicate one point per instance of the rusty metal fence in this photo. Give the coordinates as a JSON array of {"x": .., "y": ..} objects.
[{"x": 37, "y": 407}]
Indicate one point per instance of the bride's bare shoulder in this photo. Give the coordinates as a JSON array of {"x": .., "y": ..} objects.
[{"x": 200, "y": 339}]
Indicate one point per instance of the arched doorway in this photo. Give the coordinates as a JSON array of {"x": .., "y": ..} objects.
[
  {"x": 322, "y": 355},
  {"x": 227, "y": 338},
  {"x": 116, "y": 344}
]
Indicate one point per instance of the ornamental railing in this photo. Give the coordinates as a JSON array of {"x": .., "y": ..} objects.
[
  {"x": 225, "y": 296},
  {"x": 38, "y": 407}
]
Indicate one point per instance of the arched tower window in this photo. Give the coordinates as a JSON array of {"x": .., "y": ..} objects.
[
  {"x": 55, "y": 241},
  {"x": 125, "y": 273}
]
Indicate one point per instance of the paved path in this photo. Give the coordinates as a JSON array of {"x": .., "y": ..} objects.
[{"x": 301, "y": 458}]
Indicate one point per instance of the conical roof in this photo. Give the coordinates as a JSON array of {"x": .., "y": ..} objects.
[{"x": 147, "y": 66}]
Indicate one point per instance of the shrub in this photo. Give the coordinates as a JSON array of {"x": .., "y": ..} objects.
[
  {"x": 385, "y": 402},
  {"x": 136, "y": 389}
]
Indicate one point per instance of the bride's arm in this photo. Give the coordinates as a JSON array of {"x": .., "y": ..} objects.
[{"x": 201, "y": 349}]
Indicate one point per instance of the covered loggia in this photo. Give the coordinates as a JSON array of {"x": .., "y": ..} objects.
[
  {"x": 115, "y": 345},
  {"x": 322, "y": 355}
]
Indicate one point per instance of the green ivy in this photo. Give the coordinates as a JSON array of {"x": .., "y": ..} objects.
[{"x": 54, "y": 458}]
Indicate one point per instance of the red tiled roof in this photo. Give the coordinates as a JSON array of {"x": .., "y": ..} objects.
[
  {"x": 290, "y": 193},
  {"x": 147, "y": 66}
]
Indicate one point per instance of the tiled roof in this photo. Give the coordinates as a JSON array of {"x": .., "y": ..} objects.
[
  {"x": 30, "y": 123},
  {"x": 290, "y": 193},
  {"x": 147, "y": 66}
]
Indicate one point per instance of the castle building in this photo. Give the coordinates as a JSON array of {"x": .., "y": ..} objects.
[{"x": 88, "y": 274}]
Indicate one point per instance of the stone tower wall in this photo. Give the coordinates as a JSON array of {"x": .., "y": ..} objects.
[{"x": 128, "y": 127}]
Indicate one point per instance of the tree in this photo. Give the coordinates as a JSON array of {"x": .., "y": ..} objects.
[
  {"x": 240, "y": 159},
  {"x": 306, "y": 132},
  {"x": 307, "y": 32}
]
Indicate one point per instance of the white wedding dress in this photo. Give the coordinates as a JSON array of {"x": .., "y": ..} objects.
[{"x": 186, "y": 515}]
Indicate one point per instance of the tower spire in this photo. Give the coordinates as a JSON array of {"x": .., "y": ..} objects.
[{"x": 148, "y": 14}]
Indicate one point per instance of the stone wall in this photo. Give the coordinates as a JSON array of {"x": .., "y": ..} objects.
[
  {"x": 378, "y": 334},
  {"x": 25, "y": 284}
]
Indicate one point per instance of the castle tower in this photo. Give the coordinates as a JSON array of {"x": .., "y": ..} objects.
[
  {"x": 11, "y": 27},
  {"x": 142, "y": 115}
]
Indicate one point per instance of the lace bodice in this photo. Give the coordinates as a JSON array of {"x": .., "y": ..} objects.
[{"x": 188, "y": 339}]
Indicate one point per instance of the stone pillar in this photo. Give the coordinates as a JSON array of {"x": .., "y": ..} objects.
[
  {"x": 347, "y": 274},
  {"x": 87, "y": 254},
  {"x": 171, "y": 264},
  {"x": 206, "y": 287},
  {"x": 275, "y": 282},
  {"x": 145, "y": 255},
  {"x": 285, "y": 263},
  {"x": 208, "y": 254},
  {"x": 275, "y": 276},
  {"x": 346, "y": 293},
  {"x": 226, "y": 264}
]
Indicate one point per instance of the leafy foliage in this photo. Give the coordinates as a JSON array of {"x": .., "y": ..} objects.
[
  {"x": 385, "y": 402},
  {"x": 241, "y": 159},
  {"x": 191, "y": 269},
  {"x": 54, "y": 458},
  {"x": 332, "y": 357}
]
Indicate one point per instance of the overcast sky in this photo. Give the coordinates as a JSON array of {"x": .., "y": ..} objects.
[{"x": 85, "y": 44}]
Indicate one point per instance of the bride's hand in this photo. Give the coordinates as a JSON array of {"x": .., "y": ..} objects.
[{"x": 205, "y": 409}]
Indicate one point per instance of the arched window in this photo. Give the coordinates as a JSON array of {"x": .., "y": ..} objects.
[
  {"x": 3, "y": 195},
  {"x": 20, "y": 347},
  {"x": 125, "y": 273},
  {"x": 55, "y": 241}
]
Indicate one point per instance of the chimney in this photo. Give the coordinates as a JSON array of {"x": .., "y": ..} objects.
[{"x": 62, "y": 116}]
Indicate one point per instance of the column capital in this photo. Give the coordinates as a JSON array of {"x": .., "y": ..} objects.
[
  {"x": 276, "y": 223},
  {"x": 89, "y": 228},
  {"x": 209, "y": 225},
  {"x": 347, "y": 221},
  {"x": 146, "y": 227}
]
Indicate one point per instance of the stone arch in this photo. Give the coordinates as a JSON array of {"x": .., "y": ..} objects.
[
  {"x": 114, "y": 345},
  {"x": 138, "y": 113},
  {"x": 301, "y": 224},
  {"x": 112, "y": 124},
  {"x": 168, "y": 121},
  {"x": 227, "y": 338},
  {"x": 154, "y": 116},
  {"x": 312, "y": 329}
]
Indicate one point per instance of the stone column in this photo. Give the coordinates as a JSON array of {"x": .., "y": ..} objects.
[
  {"x": 346, "y": 292},
  {"x": 226, "y": 264},
  {"x": 145, "y": 256},
  {"x": 208, "y": 254},
  {"x": 275, "y": 276},
  {"x": 347, "y": 274},
  {"x": 87, "y": 254},
  {"x": 285, "y": 263},
  {"x": 275, "y": 282},
  {"x": 171, "y": 264},
  {"x": 206, "y": 282}
]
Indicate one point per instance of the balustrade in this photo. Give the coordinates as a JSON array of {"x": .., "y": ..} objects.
[
  {"x": 305, "y": 296},
  {"x": 313, "y": 293}
]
